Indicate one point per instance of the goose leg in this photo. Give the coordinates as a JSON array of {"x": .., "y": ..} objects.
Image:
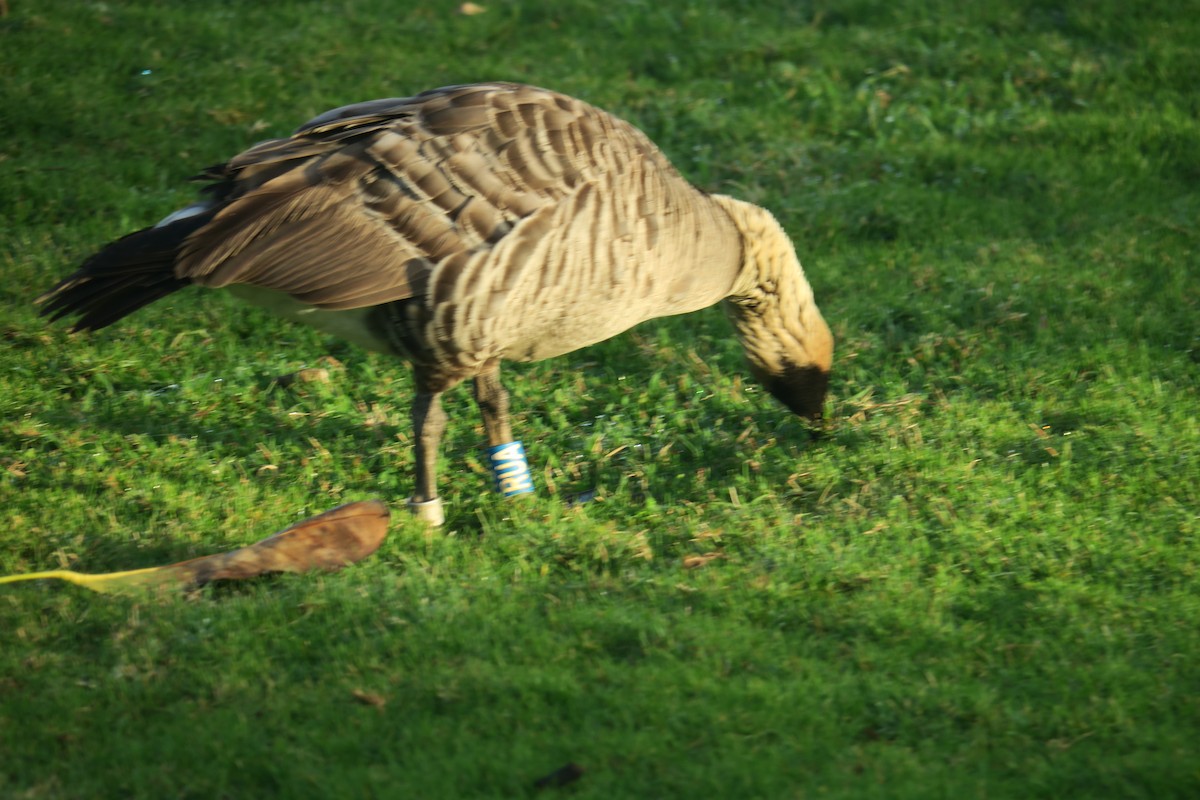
[
  {"x": 429, "y": 422},
  {"x": 506, "y": 456},
  {"x": 492, "y": 399}
]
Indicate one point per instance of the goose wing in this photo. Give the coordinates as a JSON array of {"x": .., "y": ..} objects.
[{"x": 362, "y": 204}]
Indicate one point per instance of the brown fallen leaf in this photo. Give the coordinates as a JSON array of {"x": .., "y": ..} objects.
[
  {"x": 329, "y": 541},
  {"x": 470, "y": 9},
  {"x": 330, "y": 363},
  {"x": 701, "y": 560},
  {"x": 369, "y": 698},
  {"x": 306, "y": 375}
]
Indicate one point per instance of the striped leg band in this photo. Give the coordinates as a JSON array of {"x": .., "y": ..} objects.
[{"x": 510, "y": 469}]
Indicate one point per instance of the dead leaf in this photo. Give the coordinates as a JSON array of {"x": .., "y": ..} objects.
[
  {"x": 369, "y": 698},
  {"x": 331, "y": 363},
  {"x": 306, "y": 375},
  {"x": 701, "y": 560},
  {"x": 329, "y": 541},
  {"x": 470, "y": 9}
]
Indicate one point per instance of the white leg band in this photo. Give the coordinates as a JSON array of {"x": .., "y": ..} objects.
[{"x": 430, "y": 511}]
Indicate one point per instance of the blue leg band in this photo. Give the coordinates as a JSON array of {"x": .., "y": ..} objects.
[{"x": 510, "y": 469}]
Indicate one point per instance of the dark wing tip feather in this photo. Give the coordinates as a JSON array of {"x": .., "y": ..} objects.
[{"x": 129, "y": 273}]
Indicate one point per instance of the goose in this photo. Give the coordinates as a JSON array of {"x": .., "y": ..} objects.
[{"x": 463, "y": 227}]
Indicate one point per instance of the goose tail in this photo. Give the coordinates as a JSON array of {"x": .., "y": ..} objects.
[{"x": 129, "y": 273}]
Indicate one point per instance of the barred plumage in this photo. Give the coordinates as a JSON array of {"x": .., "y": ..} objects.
[{"x": 466, "y": 226}]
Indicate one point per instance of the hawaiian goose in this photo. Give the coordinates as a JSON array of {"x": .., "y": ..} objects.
[{"x": 465, "y": 226}]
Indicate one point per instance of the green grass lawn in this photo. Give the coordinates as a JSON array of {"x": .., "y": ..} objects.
[{"x": 982, "y": 582}]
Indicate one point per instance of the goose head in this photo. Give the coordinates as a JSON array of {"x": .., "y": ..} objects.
[{"x": 787, "y": 342}]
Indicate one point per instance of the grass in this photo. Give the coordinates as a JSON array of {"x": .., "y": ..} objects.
[{"x": 981, "y": 582}]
